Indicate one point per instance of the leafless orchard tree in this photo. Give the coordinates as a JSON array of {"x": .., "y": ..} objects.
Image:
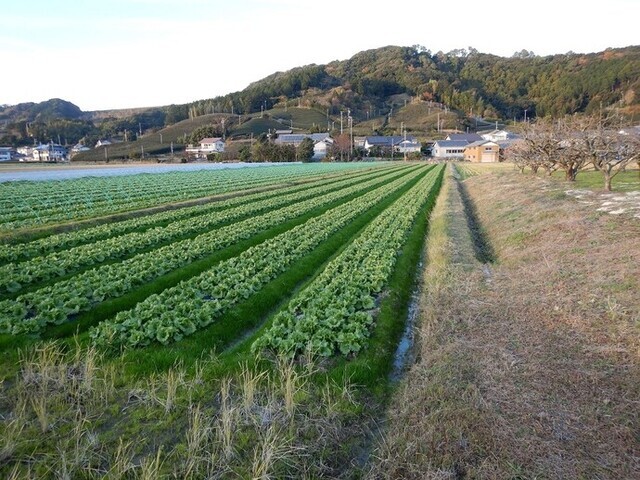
[
  {"x": 574, "y": 142},
  {"x": 600, "y": 140},
  {"x": 572, "y": 157},
  {"x": 540, "y": 147}
]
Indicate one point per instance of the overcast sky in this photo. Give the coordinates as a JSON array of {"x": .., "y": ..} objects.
[{"x": 137, "y": 53}]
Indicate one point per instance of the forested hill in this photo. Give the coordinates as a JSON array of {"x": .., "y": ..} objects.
[
  {"x": 41, "y": 112},
  {"x": 466, "y": 80},
  {"x": 372, "y": 84}
]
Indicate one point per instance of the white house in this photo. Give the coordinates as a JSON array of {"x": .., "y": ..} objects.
[
  {"x": 26, "y": 151},
  {"x": 498, "y": 135},
  {"x": 322, "y": 142},
  {"x": 103, "y": 143},
  {"x": 6, "y": 153},
  {"x": 409, "y": 146},
  {"x": 49, "y": 152},
  {"x": 396, "y": 142},
  {"x": 207, "y": 145},
  {"x": 211, "y": 145},
  {"x": 449, "y": 149},
  {"x": 79, "y": 147}
]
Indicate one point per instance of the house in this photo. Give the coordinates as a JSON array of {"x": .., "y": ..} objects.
[
  {"x": 358, "y": 142},
  {"x": 79, "y": 147},
  {"x": 6, "y": 154},
  {"x": 49, "y": 152},
  {"x": 482, "y": 151},
  {"x": 26, "y": 151},
  {"x": 409, "y": 146},
  {"x": 322, "y": 142},
  {"x": 498, "y": 135},
  {"x": 447, "y": 149},
  {"x": 212, "y": 145},
  {"x": 103, "y": 143},
  {"x": 205, "y": 147},
  {"x": 397, "y": 143},
  {"x": 322, "y": 148},
  {"x": 467, "y": 137}
]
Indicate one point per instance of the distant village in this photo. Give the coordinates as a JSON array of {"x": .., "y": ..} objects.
[{"x": 487, "y": 146}]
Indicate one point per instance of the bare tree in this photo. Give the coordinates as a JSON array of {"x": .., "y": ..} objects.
[
  {"x": 614, "y": 151},
  {"x": 542, "y": 146},
  {"x": 607, "y": 148},
  {"x": 342, "y": 145},
  {"x": 573, "y": 156},
  {"x": 521, "y": 155}
]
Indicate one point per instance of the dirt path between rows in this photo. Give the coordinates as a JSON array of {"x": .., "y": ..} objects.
[{"x": 534, "y": 370}]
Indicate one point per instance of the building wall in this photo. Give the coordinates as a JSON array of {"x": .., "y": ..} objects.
[
  {"x": 447, "y": 152},
  {"x": 482, "y": 153}
]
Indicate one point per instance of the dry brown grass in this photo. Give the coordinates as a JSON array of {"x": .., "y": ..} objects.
[{"x": 531, "y": 372}]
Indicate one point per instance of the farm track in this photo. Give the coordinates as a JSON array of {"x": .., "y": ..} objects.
[{"x": 57, "y": 290}]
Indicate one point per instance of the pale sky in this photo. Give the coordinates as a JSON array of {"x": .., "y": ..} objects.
[{"x": 138, "y": 53}]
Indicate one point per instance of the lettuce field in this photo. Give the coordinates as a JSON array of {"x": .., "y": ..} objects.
[
  {"x": 159, "y": 276},
  {"x": 204, "y": 324}
]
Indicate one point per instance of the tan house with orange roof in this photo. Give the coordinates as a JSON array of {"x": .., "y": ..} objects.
[{"x": 482, "y": 151}]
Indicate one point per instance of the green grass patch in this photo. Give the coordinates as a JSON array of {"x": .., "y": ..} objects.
[
  {"x": 300, "y": 118},
  {"x": 626, "y": 181}
]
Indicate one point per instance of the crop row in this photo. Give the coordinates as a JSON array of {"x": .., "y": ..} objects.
[
  {"x": 71, "y": 199},
  {"x": 31, "y": 311},
  {"x": 334, "y": 312},
  {"x": 65, "y": 240},
  {"x": 195, "y": 303},
  {"x": 15, "y": 276},
  {"x": 16, "y": 195}
]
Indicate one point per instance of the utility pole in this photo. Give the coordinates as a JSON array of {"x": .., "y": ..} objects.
[
  {"x": 340, "y": 122},
  {"x": 403, "y": 127},
  {"x": 350, "y": 118},
  {"x": 160, "y": 138}
]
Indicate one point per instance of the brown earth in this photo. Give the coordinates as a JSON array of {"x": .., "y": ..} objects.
[{"x": 527, "y": 367}]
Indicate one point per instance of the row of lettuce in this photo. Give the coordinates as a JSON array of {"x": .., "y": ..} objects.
[
  {"x": 55, "y": 304},
  {"x": 333, "y": 314},
  {"x": 198, "y": 302},
  {"x": 29, "y": 204},
  {"x": 17, "y": 275},
  {"x": 61, "y": 241}
]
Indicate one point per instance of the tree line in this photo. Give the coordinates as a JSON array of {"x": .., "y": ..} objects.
[{"x": 464, "y": 79}]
